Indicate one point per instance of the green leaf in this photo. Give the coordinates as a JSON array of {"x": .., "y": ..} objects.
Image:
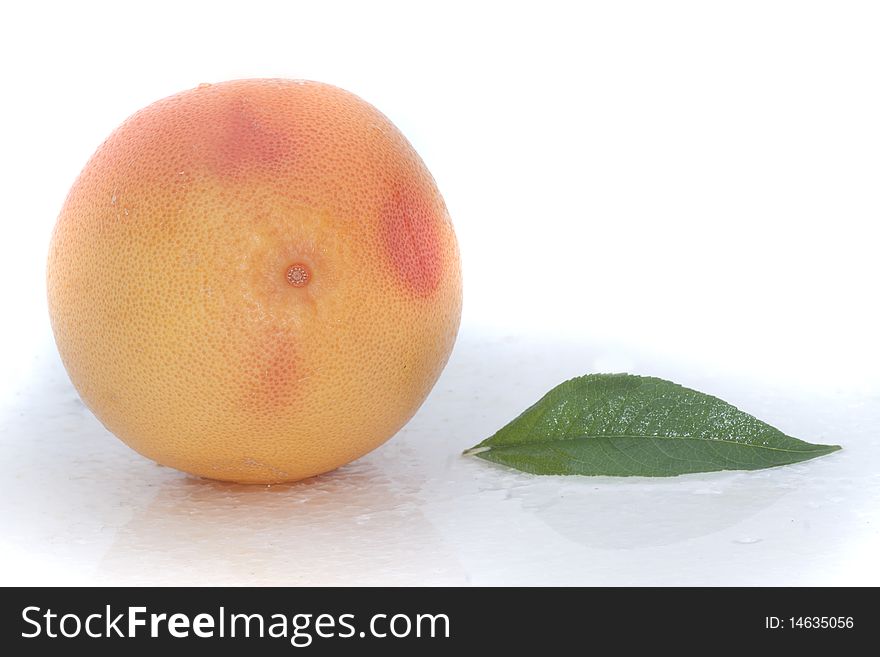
[{"x": 625, "y": 425}]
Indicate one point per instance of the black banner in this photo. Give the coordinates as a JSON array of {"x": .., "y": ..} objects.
[{"x": 431, "y": 621}]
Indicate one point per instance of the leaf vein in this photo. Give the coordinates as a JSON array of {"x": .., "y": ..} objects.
[{"x": 709, "y": 439}]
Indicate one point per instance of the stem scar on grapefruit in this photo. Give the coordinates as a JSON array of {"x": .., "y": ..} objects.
[{"x": 255, "y": 281}]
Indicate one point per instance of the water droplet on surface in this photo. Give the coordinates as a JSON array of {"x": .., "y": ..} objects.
[
  {"x": 298, "y": 275},
  {"x": 747, "y": 540}
]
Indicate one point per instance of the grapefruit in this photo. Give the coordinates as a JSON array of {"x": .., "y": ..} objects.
[{"x": 254, "y": 281}]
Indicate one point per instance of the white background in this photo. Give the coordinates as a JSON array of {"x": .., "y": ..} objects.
[{"x": 683, "y": 189}]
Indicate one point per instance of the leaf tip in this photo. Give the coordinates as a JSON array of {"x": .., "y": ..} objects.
[
  {"x": 824, "y": 450},
  {"x": 473, "y": 451}
]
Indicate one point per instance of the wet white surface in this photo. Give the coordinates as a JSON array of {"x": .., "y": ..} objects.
[{"x": 77, "y": 506}]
